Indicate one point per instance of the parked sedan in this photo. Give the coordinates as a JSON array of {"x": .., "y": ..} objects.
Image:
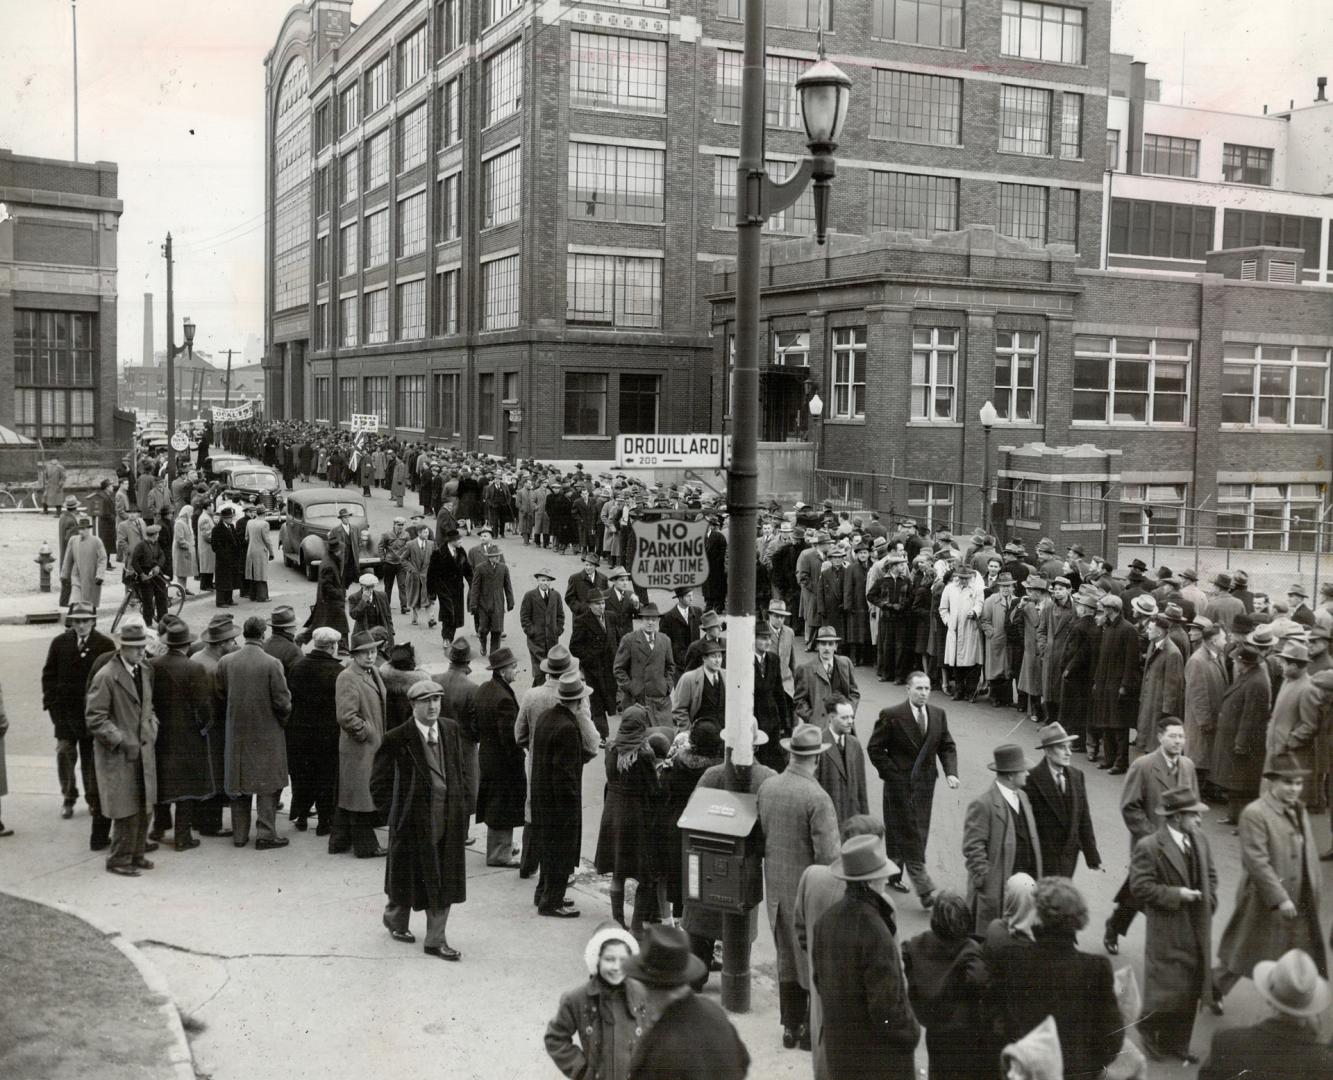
[
  {"x": 217, "y": 464},
  {"x": 310, "y": 514},
  {"x": 246, "y": 483}
]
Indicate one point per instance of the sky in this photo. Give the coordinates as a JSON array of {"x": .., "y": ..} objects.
[{"x": 173, "y": 92}]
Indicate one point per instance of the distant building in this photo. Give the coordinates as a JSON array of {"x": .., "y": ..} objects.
[
  {"x": 58, "y": 297},
  {"x": 199, "y": 384}
]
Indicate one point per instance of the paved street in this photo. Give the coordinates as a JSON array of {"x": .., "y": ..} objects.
[{"x": 278, "y": 950}]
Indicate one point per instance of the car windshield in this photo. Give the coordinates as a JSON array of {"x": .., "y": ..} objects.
[
  {"x": 258, "y": 481},
  {"x": 330, "y": 509}
]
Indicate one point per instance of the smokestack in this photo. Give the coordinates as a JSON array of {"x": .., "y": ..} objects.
[
  {"x": 1320, "y": 84},
  {"x": 147, "y": 359},
  {"x": 1265, "y": 110}
]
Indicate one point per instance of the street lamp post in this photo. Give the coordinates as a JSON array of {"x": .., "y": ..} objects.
[
  {"x": 988, "y": 416},
  {"x": 823, "y": 92}
]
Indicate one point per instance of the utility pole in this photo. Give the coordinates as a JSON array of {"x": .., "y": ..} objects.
[
  {"x": 74, "y": 22},
  {"x": 171, "y": 364},
  {"x": 226, "y": 383}
]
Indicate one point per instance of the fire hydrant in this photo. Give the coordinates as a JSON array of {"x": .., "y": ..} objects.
[{"x": 44, "y": 561}]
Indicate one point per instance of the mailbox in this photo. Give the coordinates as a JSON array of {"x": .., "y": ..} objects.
[{"x": 720, "y": 856}]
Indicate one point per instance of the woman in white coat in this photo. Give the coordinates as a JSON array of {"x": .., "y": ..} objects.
[
  {"x": 184, "y": 562},
  {"x": 258, "y": 554},
  {"x": 960, "y": 606},
  {"x": 207, "y": 561}
]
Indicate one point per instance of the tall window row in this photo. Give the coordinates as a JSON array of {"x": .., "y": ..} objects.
[
  {"x": 55, "y": 374},
  {"x": 586, "y": 402}
]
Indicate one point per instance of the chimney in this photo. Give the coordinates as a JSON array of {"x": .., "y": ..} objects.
[
  {"x": 1265, "y": 110},
  {"x": 147, "y": 358},
  {"x": 1321, "y": 84},
  {"x": 1134, "y": 136}
]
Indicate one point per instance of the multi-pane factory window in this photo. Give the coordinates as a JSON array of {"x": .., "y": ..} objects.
[
  {"x": 917, "y": 108},
  {"x": 918, "y": 204},
  {"x": 347, "y": 312},
  {"x": 1269, "y": 517},
  {"x": 375, "y": 394},
  {"x": 322, "y": 259},
  {"x": 55, "y": 369},
  {"x": 377, "y": 159},
  {"x": 347, "y": 399},
  {"x": 500, "y": 293},
  {"x": 377, "y": 86},
  {"x": 349, "y": 177},
  {"x": 1164, "y": 524},
  {"x": 498, "y": 9},
  {"x": 448, "y": 27},
  {"x": 412, "y": 310},
  {"x": 931, "y": 505},
  {"x": 1170, "y": 155},
  {"x": 1250, "y": 228},
  {"x": 781, "y": 103},
  {"x": 412, "y": 224},
  {"x": 799, "y": 218},
  {"x": 486, "y": 404},
  {"x": 322, "y": 403},
  {"x": 1247, "y": 164},
  {"x": 1017, "y": 355},
  {"x": 1022, "y": 210},
  {"x": 410, "y": 408},
  {"x": 347, "y": 246},
  {"x": 1071, "y": 125},
  {"x": 349, "y": 108},
  {"x": 321, "y": 328},
  {"x": 412, "y": 58},
  {"x": 849, "y": 372},
  {"x": 1113, "y": 150},
  {"x": 323, "y": 125},
  {"x": 450, "y": 115},
  {"x": 797, "y": 14},
  {"x": 377, "y": 318},
  {"x": 1036, "y": 31},
  {"x": 1025, "y": 120},
  {"x": 919, "y": 22},
  {"x": 614, "y": 290},
  {"x": 446, "y": 302},
  {"x": 444, "y": 401},
  {"x": 504, "y": 82},
  {"x": 376, "y": 239},
  {"x": 1063, "y": 225},
  {"x": 585, "y": 403},
  {"x": 1128, "y": 380},
  {"x": 1274, "y": 385},
  {"x": 616, "y": 183},
  {"x": 639, "y": 399},
  {"x": 1163, "y": 230},
  {"x": 934, "y": 372},
  {"x": 501, "y": 187},
  {"x": 412, "y": 139},
  {"x": 292, "y": 195},
  {"x": 448, "y": 214},
  {"x": 613, "y": 72}
]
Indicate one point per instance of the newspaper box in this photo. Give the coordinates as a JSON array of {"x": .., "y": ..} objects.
[{"x": 718, "y": 848}]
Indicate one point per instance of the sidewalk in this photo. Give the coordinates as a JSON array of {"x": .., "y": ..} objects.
[{"x": 79, "y": 1000}]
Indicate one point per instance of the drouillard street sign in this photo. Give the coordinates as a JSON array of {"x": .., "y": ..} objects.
[
  {"x": 707, "y": 451},
  {"x": 669, "y": 554}
]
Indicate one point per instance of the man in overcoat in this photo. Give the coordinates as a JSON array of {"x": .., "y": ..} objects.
[
  {"x": 542, "y": 617},
  {"x": 645, "y": 669},
  {"x": 84, "y": 564},
  {"x": 841, "y": 770},
  {"x": 782, "y": 644},
  {"x": 1162, "y": 691},
  {"x": 1058, "y": 795},
  {"x": 312, "y": 731},
  {"x": 490, "y": 596},
  {"x": 1242, "y": 725},
  {"x": 682, "y": 626},
  {"x": 69, "y": 661},
  {"x": 910, "y": 744},
  {"x": 228, "y": 556},
  {"x": 120, "y": 718},
  {"x": 822, "y": 676},
  {"x": 773, "y": 709},
  {"x": 503, "y": 783},
  {"x": 622, "y": 605},
  {"x": 252, "y": 687},
  {"x": 459, "y": 704},
  {"x": 361, "y": 702},
  {"x": 582, "y": 583},
  {"x": 1294, "y": 725},
  {"x": 591, "y": 642},
  {"x": 1277, "y": 900},
  {"x": 557, "y": 796},
  {"x": 1206, "y": 681},
  {"x": 1000, "y": 836},
  {"x": 993, "y": 622},
  {"x": 448, "y": 576},
  {"x": 1173, "y": 878},
  {"x": 1055, "y": 636},
  {"x": 1115, "y": 684},
  {"x": 182, "y": 693},
  {"x": 420, "y": 780},
  {"x": 809, "y": 565},
  {"x": 800, "y": 829}
]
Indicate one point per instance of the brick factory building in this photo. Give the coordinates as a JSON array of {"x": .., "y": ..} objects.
[
  {"x": 492, "y": 223},
  {"x": 58, "y": 298}
]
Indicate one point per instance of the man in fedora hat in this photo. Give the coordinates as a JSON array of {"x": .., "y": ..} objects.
[
  {"x": 228, "y": 543},
  {"x": 1242, "y": 725},
  {"x": 809, "y": 566},
  {"x": 448, "y": 575},
  {"x": 842, "y": 769},
  {"x": 701, "y": 694},
  {"x": 993, "y": 622},
  {"x": 1286, "y": 1045},
  {"x": 622, "y": 604},
  {"x": 692, "y": 1038},
  {"x": 591, "y": 642},
  {"x": 713, "y": 629},
  {"x": 557, "y": 795},
  {"x": 1298, "y": 605},
  {"x": 182, "y": 690},
  {"x": 645, "y": 669},
  {"x": 1294, "y": 726},
  {"x": 682, "y": 626},
  {"x": 419, "y": 779},
  {"x": 999, "y": 835},
  {"x": 800, "y": 829},
  {"x": 1058, "y": 795},
  {"x": 715, "y": 550},
  {"x": 312, "y": 730},
  {"x": 281, "y": 643},
  {"x": 217, "y": 640},
  {"x": 1277, "y": 900},
  {"x": 1172, "y": 877},
  {"x": 69, "y": 662},
  {"x": 1223, "y": 607},
  {"x": 83, "y": 565},
  {"x": 459, "y": 703},
  {"x": 1162, "y": 690},
  {"x": 773, "y": 709},
  {"x": 252, "y": 689},
  {"x": 868, "y": 1026},
  {"x": 782, "y": 644},
  {"x": 121, "y": 719},
  {"x": 362, "y": 705},
  {"x": 585, "y": 581},
  {"x": 67, "y": 527},
  {"x": 822, "y": 676},
  {"x": 891, "y": 594},
  {"x": 542, "y": 616},
  {"x": 502, "y": 780},
  {"x": 1117, "y": 673},
  {"x": 1075, "y": 655},
  {"x": 490, "y": 596}
]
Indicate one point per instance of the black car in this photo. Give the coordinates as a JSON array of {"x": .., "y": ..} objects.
[{"x": 247, "y": 482}]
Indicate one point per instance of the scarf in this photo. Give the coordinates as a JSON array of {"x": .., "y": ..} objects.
[{"x": 630, "y": 738}]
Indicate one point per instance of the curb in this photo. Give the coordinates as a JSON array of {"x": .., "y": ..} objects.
[
  {"x": 181, "y": 1058},
  {"x": 55, "y": 615}
]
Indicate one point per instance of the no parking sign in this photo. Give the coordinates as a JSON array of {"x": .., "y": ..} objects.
[{"x": 669, "y": 554}]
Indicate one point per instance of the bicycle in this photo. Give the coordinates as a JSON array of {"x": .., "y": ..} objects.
[
  {"x": 175, "y": 600},
  {"x": 20, "y": 497}
]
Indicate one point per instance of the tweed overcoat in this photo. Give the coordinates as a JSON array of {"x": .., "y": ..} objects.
[
  {"x": 182, "y": 699},
  {"x": 65, "y": 680},
  {"x": 503, "y": 781},
  {"x": 814, "y": 686},
  {"x": 1205, "y": 684},
  {"x": 842, "y": 773},
  {"x": 1116, "y": 673},
  {"x": 1242, "y": 722},
  {"x": 992, "y": 622},
  {"x": 252, "y": 687},
  {"x": 119, "y": 719},
  {"x": 362, "y": 705},
  {"x": 989, "y": 847},
  {"x": 1162, "y": 692},
  {"x": 1294, "y": 726}
]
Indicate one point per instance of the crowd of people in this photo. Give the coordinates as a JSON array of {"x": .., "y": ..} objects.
[{"x": 1193, "y": 694}]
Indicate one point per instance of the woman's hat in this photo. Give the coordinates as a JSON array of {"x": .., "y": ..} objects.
[
  {"x": 706, "y": 737},
  {"x": 603, "y": 936},
  {"x": 558, "y": 661},
  {"x": 1292, "y": 984},
  {"x": 1285, "y": 766},
  {"x": 282, "y": 616},
  {"x": 571, "y": 687},
  {"x": 363, "y": 640},
  {"x": 665, "y": 958},
  {"x": 806, "y": 741},
  {"x": 1009, "y": 757},
  {"x": 863, "y": 859},
  {"x": 503, "y": 657},
  {"x": 1180, "y": 800}
]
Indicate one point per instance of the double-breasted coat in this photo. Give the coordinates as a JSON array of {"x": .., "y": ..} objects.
[
  {"x": 425, "y": 794},
  {"x": 993, "y": 623},
  {"x": 990, "y": 844},
  {"x": 123, "y": 723},
  {"x": 65, "y": 679},
  {"x": 543, "y": 621},
  {"x": 1279, "y": 862},
  {"x": 503, "y": 782},
  {"x": 182, "y": 699},
  {"x": 814, "y": 686},
  {"x": 1242, "y": 724},
  {"x": 959, "y": 607},
  {"x": 362, "y": 704},
  {"x": 800, "y": 829},
  {"x": 578, "y": 588},
  {"x": 184, "y": 561},
  {"x": 490, "y": 596},
  {"x": 1115, "y": 677},
  {"x": 592, "y": 645},
  {"x": 909, "y": 763},
  {"x": 645, "y": 673},
  {"x": 229, "y": 555},
  {"x": 1064, "y": 820},
  {"x": 609, "y": 1023},
  {"x": 1054, "y": 640},
  {"x": 841, "y": 771},
  {"x": 1205, "y": 684},
  {"x": 1162, "y": 692},
  {"x": 1177, "y": 953},
  {"x": 252, "y": 687}
]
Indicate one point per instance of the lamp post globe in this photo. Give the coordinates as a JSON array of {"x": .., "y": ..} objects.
[
  {"x": 815, "y": 405},
  {"x": 189, "y": 330},
  {"x": 988, "y": 415},
  {"x": 824, "y": 92}
]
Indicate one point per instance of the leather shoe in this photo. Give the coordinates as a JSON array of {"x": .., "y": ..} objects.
[
  {"x": 144, "y": 864},
  {"x": 789, "y": 1038},
  {"x": 511, "y": 864},
  {"x": 405, "y": 936},
  {"x": 98, "y": 844},
  {"x": 239, "y": 843},
  {"x": 559, "y": 912},
  {"x": 378, "y": 853},
  {"x": 1119, "y": 770},
  {"x": 897, "y": 884},
  {"x": 151, "y": 845},
  {"x": 300, "y": 824},
  {"x": 123, "y": 871},
  {"x": 268, "y": 843},
  {"x": 187, "y": 845},
  {"x": 323, "y": 830},
  {"x": 67, "y": 811},
  {"x": 803, "y": 1037},
  {"x": 1111, "y": 942},
  {"x": 220, "y": 832},
  {"x": 155, "y": 836},
  {"x": 443, "y": 952}
]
